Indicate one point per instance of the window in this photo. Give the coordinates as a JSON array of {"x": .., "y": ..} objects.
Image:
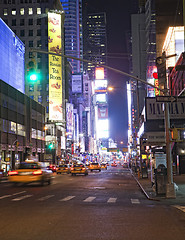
[
  {"x": 47, "y": 87},
  {"x": 39, "y": 87},
  {"x": 30, "y": 43},
  {"x": 30, "y": 54},
  {"x": 39, "y": 43},
  {"x": 13, "y": 22},
  {"x": 30, "y": 33},
  {"x": 39, "y": 32},
  {"x": 30, "y": 11},
  {"x": 13, "y": 11},
  {"x": 47, "y": 109},
  {"x": 39, "y": 21},
  {"x": 39, "y": 65},
  {"x": 22, "y": 11},
  {"x": 47, "y": 98},
  {"x": 31, "y": 88},
  {"x": 21, "y": 22},
  {"x": 40, "y": 99},
  {"x": 5, "y": 12},
  {"x": 32, "y": 97},
  {"x": 30, "y": 21},
  {"x": 22, "y": 33},
  {"x": 38, "y": 10},
  {"x": 39, "y": 55}
]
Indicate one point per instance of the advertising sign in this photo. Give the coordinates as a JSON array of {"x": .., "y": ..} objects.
[
  {"x": 101, "y": 98},
  {"x": 77, "y": 83},
  {"x": 55, "y": 67},
  {"x": 102, "y": 112},
  {"x": 155, "y": 110},
  {"x": 100, "y": 86},
  {"x": 99, "y": 73},
  {"x": 11, "y": 58},
  {"x": 69, "y": 120}
]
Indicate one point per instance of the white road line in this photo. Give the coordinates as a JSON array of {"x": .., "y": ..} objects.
[
  {"x": 135, "y": 201},
  {"x": 112, "y": 200},
  {"x": 5, "y": 196},
  {"x": 182, "y": 208},
  {"x": 18, "y": 193},
  {"x": 45, "y": 198},
  {"x": 66, "y": 198},
  {"x": 21, "y": 198},
  {"x": 89, "y": 199}
]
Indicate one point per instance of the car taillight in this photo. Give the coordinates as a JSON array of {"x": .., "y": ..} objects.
[
  {"x": 72, "y": 168},
  {"x": 12, "y": 173},
  {"x": 37, "y": 172}
]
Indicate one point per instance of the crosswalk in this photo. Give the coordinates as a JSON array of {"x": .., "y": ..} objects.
[{"x": 20, "y": 196}]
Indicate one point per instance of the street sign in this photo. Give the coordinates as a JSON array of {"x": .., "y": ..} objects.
[{"x": 165, "y": 99}]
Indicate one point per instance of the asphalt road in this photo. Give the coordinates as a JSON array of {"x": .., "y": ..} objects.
[{"x": 101, "y": 206}]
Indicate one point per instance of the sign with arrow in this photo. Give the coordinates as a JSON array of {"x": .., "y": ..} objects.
[{"x": 165, "y": 99}]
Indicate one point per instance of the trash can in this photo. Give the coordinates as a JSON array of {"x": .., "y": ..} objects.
[
  {"x": 144, "y": 172},
  {"x": 160, "y": 179}
]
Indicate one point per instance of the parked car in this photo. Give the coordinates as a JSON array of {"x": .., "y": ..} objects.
[{"x": 30, "y": 172}]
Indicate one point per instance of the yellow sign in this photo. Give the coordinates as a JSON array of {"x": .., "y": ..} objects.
[
  {"x": 144, "y": 156},
  {"x": 55, "y": 67},
  {"x": 125, "y": 149}
]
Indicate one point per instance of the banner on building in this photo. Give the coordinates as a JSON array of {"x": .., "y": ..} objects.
[
  {"x": 69, "y": 120},
  {"x": 102, "y": 112},
  {"x": 55, "y": 67},
  {"x": 77, "y": 83}
]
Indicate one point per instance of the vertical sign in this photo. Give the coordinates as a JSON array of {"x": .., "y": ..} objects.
[{"x": 55, "y": 67}]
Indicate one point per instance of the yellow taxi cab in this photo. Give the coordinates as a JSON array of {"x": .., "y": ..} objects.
[
  {"x": 79, "y": 168},
  {"x": 30, "y": 172},
  {"x": 95, "y": 166},
  {"x": 104, "y": 166},
  {"x": 64, "y": 168}
]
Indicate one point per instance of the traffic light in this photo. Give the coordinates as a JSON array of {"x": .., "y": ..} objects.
[
  {"x": 51, "y": 145},
  {"x": 174, "y": 134},
  {"x": 31, "y": 71}
]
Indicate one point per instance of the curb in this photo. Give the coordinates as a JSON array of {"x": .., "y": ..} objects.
[{"x": 143, "y": 190}]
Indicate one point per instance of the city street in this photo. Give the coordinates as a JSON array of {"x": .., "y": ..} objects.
[{"x": 106, "y": 205}]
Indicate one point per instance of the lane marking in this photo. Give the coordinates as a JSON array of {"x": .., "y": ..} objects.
[
  {"x": 182, "y": 208},
  {"x": 135, "y": 201},
  {"x": 45, "y": 198},
  {"x": 66, "y": 198},
  {"x": 18, "y": 193},
  {"x": 112, "y": 200},
  {"x": 89, "y": 199},
  {"x": 5, "y": 196},
  {"x": 21, "y": 198}
]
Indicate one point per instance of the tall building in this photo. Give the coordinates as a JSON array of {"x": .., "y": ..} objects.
[
  {"x": 40, "y": 24},
  {"x": 73, "y": 32},
  {"x": 95, "y": 42}
]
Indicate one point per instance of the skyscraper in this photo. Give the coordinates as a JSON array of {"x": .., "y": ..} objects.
[
  {"x": 95, "y": 42},
  {"x": 73, "y": 32}
]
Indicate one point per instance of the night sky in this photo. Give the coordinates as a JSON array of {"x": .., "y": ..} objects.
[{"x": 118, "y": 15}]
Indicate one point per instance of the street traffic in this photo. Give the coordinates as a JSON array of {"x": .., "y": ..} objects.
[{"x": 106, "y": 204}]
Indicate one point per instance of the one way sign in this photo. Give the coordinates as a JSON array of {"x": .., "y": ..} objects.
[{"x": 165, "y": 99}]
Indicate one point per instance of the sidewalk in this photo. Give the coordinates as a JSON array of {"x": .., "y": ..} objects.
[{"x": 150, "y": 192}]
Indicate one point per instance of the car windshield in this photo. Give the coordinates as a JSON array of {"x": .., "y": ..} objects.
[
  {"x": 78, "y": 165},
  {"x": 25, "y": 165},
  {"x": 62, "y": 165},
  {"x": 94, "y": 163}
]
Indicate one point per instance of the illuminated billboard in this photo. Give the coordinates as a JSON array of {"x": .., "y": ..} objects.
[
  {"x": 69, "y": 120},
  {"x": 11, "y": 58},
  {"x": 77, "y": 83},
  {"x": 102, "y": 128},
  {"x": 101, "y": 98},
  {"x": 100, "y": 86},
  {"x": 99, "y": 73},
  {"x": 55, "y": 67},
  {"x": 102, "y": 112}
]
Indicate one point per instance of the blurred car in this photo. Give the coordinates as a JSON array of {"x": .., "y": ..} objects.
[
  {"x": 30, "y": 172},
  {"x": 1, "y": 174},
  {"x": 51, "y": 167},
  {"x": 125, "y": 165},
  {"x": 79, "y": 168},
  {"x": 64, "y": 168},
  {"x": 95, "y": 166},
  {"x": 104, "y": 166},
  {"x": 114, "y": 164}
]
